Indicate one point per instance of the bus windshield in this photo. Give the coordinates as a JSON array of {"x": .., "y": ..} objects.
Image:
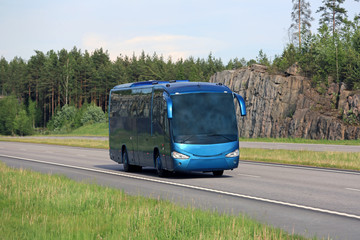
[{"x": 204, "y": 118}]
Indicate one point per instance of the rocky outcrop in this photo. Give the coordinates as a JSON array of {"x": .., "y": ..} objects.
[{"x": 287, "y": 106}]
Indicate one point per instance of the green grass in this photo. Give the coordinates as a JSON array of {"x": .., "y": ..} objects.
[
  {"x": 301, "y": 140},
  {"x": 86, "y": 143},
  {"x": 97, "y": 129},
  {"x": 39, "y": 206},
  {"x": 338, "y": 160}
]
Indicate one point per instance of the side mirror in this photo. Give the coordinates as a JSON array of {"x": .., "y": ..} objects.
[
  {"x": 169, "y": 106},
  {"x": 241, "y": 104}
]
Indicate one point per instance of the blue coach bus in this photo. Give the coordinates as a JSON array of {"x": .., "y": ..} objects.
[{"x": 174, "y": 126}]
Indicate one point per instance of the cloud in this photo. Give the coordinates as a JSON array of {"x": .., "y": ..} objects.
[{"x": 176, "y": 46}]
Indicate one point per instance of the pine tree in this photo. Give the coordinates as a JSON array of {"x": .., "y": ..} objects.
[
  {"x": 4, "y": 65},
  {"x": 301, "y": 17},
  {"x": 333, "y": 15},
  {"x": 77, "y": 74},
  {"x": 17, "y": 72},
  {"x": 35, "y": 68}
]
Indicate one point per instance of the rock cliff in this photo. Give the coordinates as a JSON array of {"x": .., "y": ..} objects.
[{"x": 287, "y": 106}]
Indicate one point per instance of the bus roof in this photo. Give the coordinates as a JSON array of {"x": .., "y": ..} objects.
[{"x": 176, "y": 86}]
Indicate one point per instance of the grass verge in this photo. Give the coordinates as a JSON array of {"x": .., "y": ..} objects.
[
  {"x": 339, "y": 160},
  {"x": 87, "y": 143},
  {"x": 38, "y": 206},
  {"x": 97, "y": 129},
  {"x": 301, "y": 140}
]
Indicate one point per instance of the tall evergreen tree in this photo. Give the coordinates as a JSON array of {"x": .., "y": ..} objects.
[
  {"x": 4, "y": 65},
  {"x": 17, "y": 72},
  {"x": 77, "y": 74},
  {"x": 333, "y": 15},
  {"x": 49, "y": 85},
  {"x": 101, "y": 61},
  {"x": 301, "y": 17},
  {"x": 35, "y": 68}
]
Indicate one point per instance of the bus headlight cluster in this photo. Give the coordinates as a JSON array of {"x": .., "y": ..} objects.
[
  {"x": 233, "y": 154},
  {"x": 178, "y": 155}
]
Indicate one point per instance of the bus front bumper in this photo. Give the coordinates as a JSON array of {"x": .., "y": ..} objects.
[
  {"x": 212, "y": 157},
  {"x": 206, "y": 164}
]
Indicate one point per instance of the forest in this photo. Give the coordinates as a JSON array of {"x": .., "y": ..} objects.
[{"x": 57, "y": 89}]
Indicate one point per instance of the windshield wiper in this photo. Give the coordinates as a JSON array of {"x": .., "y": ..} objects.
[
  {"x": 220, "y": 135},
  {"x": 186, "y": 139}
]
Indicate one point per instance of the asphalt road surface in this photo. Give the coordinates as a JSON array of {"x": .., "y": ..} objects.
[
  {"x": 263, "y": 145},
  {"x": 306, "y": 201}
]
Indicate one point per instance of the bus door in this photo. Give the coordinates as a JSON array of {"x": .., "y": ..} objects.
[
  {"x": 160, "y": 128},
  {"x": 143, "y": 148}
]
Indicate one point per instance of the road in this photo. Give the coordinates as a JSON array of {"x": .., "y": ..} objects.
[
  {"x": 305, "y": 201},
  {"x": 261, "y": 145}
]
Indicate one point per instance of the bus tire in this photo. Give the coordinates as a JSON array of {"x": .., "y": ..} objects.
[
  {"x": 125, "y": 158},
  {"x": 158, "y": 165},
  {"x": 218, "y": 173}
]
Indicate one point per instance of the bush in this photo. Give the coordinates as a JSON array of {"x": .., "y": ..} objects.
[
  {"x": 287, "y": 58},
  {"x": 8, "y": 110},
  {"x": 70, "y": 118},
  {"x": 64, "y": 119},
  {"x": 93, "y": 114},
  {"x": 23, "y": 124},
  {"x": 14, "y": 118}
]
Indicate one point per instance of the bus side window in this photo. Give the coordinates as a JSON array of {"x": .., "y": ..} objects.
[
  {"x": 165, "y": 120},
  {"x": 157, "y": 114},
  {"x": 142, "y": 104}
]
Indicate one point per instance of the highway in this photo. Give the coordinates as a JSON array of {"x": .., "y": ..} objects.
[
  {"x": 306, "y": 201},
  {"x": 261, "y": 145}
]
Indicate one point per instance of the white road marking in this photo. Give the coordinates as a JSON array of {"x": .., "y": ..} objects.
[
  {"x": 353, "y": 189},
  {"x": 193, "y": 187},
  {"x": 246, "y": 175}
]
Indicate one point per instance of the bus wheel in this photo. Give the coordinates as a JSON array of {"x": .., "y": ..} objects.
[
  {"x": 158, "y": 164},
  {"x": 218, "y": 173},
  {"x": 125, "y": 157}
]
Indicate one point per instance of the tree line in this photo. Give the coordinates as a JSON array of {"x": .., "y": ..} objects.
[
  {"x": 55, "y": 79},
  {"x": 47, "y": 82}
]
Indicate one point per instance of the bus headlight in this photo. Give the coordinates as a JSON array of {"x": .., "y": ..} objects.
[
  {"x": 233, "y": 154},
  {"x": 177, "y": 155}
]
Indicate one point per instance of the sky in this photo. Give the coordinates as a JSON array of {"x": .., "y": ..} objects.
[{"x": 227, "y": 29}]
